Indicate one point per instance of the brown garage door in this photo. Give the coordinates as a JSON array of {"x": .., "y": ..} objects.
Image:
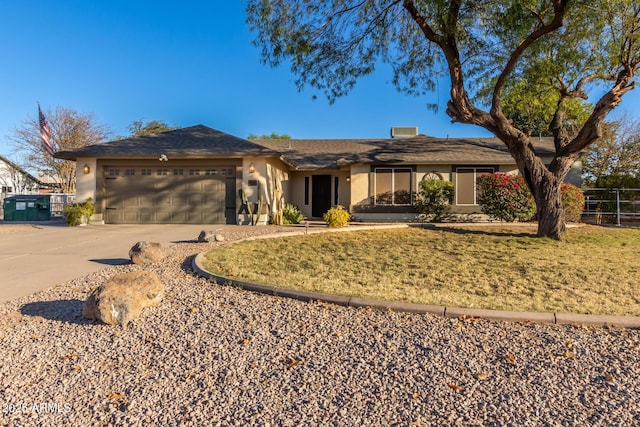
[{"x": 184, "y": 195}]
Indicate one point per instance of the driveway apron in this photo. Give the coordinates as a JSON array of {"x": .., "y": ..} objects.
[{"x": 50, "y": 254}]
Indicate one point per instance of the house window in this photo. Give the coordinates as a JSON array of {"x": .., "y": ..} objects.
[
  {"x": 393, "y": 186},
  {"x": 306, "y": 190},
  {"x": 7, "y": 189},
  {"x": 466, "y": 191}
]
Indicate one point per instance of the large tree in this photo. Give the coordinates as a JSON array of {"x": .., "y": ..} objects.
[
  {"x": 571, "y": 48},
  {"x": 69, "y": 130}
]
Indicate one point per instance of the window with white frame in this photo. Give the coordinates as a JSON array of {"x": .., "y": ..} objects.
[
  {"x": 392, "y": 186},
  {"x": 466, "y": 190}
]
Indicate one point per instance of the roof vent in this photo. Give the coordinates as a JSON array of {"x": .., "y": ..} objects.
[{"x": 404, "y": 131}]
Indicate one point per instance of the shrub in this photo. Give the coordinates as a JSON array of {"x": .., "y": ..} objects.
[
  {"x": 434, "y": 198},
  {"x": 336, "y": 217},
  {"x": 291, "y": 215},
  {"x": 505, "y": 197},
  {"x": 73, "y": 213},
  {"x": 573, "y": 200}
]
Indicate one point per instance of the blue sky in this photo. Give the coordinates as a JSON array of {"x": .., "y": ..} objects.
[{"x": 186, "y": 63}]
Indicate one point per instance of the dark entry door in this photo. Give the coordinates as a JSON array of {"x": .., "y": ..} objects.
[{"x": 320, "y": 195}]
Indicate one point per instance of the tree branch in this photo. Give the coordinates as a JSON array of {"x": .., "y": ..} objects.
[{"x": 559, "y": 8}]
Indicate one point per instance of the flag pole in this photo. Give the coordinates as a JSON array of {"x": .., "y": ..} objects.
[{"x": 45, "y": 132}]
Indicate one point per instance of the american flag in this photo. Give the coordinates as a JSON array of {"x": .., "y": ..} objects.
[{"x": 45, "y": 133}]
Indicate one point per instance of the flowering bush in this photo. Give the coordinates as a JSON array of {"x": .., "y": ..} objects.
[
  {"x": 573, "y": 200},
  {"x": 505, "y": 197},
  {"x": 434, "y": 198}
]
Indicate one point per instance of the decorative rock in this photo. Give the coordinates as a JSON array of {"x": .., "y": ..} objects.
[
  {"x": 123, "y": 297},
  {"x": 146, "y": 253},
  {"x": 209, "y": 236}
]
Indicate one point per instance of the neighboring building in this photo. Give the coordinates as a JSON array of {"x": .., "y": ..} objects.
[
  {"x": 197, "y": 174},
  {"x": 14, "y": 179}
]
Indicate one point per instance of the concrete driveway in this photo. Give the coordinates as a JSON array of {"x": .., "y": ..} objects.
[{"x": 49, "y": 253}]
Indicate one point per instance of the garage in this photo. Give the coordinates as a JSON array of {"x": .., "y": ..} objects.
[{"x": 190, "y": 194}]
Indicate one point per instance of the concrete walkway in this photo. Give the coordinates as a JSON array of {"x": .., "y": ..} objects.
[{"x": 50, "y": 252}]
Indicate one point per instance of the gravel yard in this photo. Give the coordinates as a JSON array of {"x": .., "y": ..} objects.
[{"x": 216, "y": 355}]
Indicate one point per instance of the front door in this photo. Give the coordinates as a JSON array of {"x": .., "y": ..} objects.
[{"x": 320, "y": 195}]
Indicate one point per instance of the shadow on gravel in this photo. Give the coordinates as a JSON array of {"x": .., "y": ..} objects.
[
  {"x": 112, "y": 261},
  {"x": 67, "y": 311}
]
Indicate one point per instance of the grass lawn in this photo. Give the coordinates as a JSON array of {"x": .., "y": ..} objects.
[{"x": 596, "y": 271}]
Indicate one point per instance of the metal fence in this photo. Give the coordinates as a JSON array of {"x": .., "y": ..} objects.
[{"x": 612, "y": 205}]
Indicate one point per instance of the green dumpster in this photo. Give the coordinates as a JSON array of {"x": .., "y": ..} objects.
[{"x": 36, "y": 207}]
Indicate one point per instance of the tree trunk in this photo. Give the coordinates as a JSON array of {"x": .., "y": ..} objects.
[{"x": 549, "y": 208}]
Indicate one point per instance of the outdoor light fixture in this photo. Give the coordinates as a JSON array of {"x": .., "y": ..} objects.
[
  {"x": 163, "y": 158},
  {"x": 348, "y": 179},
  {"x": 86, "y": 169},
  {"x": 252, "y": 168}
]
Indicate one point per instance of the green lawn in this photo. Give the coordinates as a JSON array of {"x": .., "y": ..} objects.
[{"x": 596, "y": 271}]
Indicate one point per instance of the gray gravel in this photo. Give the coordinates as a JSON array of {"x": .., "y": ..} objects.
[{"x": 216, "y": 355}]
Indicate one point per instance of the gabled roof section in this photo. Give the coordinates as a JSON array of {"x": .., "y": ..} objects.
[
  {"x": 312, "y": 154},
  {"x": 191, "y": 142},
  {"x": 20, "y": 170}
]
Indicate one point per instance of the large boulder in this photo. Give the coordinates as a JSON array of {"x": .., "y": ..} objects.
[
  {"x": 123, "y": 297},
  {"x": 143, "y": 253},
  {"x": 210, "y": 236}
]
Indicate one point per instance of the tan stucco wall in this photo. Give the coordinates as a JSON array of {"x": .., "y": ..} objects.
[
  {"x": 86, "y": 184},
  {"x": 277, "y": 183}
]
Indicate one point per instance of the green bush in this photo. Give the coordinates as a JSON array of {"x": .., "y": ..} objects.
[
  {"x": 505, "y": 197},
  {"x": 291, "y": 215},
  {"x": 73, "y": 213},
  {"x": 434, "y": 198},
  {"x": 573, "y": 200},
  {"x": 336, "y": 217}
]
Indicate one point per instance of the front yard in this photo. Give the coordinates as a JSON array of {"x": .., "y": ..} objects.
[{"x": 596, "y": 271}]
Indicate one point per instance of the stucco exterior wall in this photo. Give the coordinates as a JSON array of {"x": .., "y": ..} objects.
[{"x": 86, "y": 183}]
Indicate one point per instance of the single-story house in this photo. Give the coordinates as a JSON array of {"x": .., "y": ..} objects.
[{"x": 201, "y": 175}]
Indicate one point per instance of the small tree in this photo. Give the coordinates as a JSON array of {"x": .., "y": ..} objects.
[
  {"x": 69, "y": 130},
  {"x": 505, "y": 197},
  {"x": 434, "y": 198}
]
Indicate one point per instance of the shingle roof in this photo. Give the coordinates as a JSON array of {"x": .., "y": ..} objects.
[
  {"x": 191, "y": 142},
  {"x": 307, "y": 154},
  {"x": 333, "y": 153}
]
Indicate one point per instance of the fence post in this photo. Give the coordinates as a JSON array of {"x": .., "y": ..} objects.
[{"x": 618, "y": 205}]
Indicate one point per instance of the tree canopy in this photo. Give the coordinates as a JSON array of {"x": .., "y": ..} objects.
[
  {"x": 564, "y": 51},
  {"x": 140, "y": 128},
  {"x": 272, "y": 136},
  {"x": 615, "y": 157},
  {"x": 70, "y": 130}
]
